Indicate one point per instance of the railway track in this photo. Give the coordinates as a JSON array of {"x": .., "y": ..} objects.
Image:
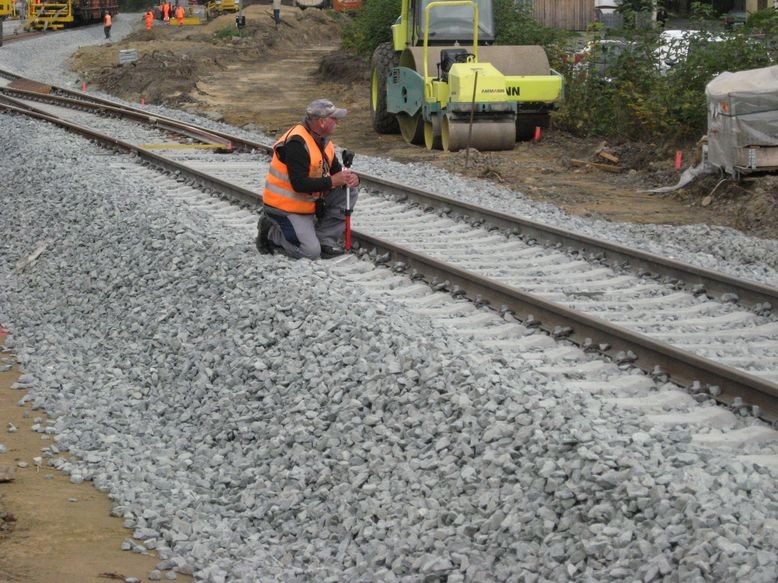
[
  {"x": 16, "y": 33},
  {"x": 649, "y": 331},
  {"x": 20, "y": 36}
]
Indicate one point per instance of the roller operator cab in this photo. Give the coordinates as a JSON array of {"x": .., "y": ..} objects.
[{"x": 440, "y": 82}]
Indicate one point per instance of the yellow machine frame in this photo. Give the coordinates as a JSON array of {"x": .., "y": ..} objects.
[
  {"x": 49, "y": 15},
  {"x": 8, "y": 9},
  {"x": 217, "y": 7}
]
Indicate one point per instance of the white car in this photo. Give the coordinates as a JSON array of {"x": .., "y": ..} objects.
[{"x": 674, "y": 46}]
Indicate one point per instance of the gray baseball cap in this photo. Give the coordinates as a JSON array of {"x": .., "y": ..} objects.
[{"x": 324, "y": 108}]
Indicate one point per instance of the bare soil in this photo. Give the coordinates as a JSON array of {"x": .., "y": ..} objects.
[
  {"x": 51, "y": 530},
  {"x": 263, "y": 77}
]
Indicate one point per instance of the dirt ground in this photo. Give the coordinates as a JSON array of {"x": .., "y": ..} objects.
[
  {"x": 262, "y": 78},
  {"x": 51, "y": 530}
]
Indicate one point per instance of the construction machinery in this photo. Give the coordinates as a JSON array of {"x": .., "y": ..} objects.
[
  {"x": 8, "y": 9},
  {"x": 216, "y": 8},
  {"x": 48, "y": 15},
  {"x": 435, "y": 91}
]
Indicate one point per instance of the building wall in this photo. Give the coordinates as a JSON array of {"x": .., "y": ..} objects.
[
  {"x": 567, "y": 14},
  {"x": 578, "y": 14},
  {"x": 754, "y": 5}
]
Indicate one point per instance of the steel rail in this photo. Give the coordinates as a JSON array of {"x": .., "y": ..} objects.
[
  {"x": 242, "y": 195},
  {"x": 20, "y": 36},
  {"x": 698, "y": 279},
  {"x": 9, "y": 75},
  {"x": 170, "y": 125},
  {"x": 591, "y": 333},
  {"x": 714, "y": 282},
  {"x": 81, "y": 97}
]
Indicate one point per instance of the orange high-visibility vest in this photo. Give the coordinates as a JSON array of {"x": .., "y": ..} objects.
[
  {"x": 107, "y": 20},
  {"x": 279, "y": 192},
  {"x": 180, "y": 13}
]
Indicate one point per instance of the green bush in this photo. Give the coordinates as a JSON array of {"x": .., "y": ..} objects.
[
  {"x": 762, "y": 22},
  {"x": 226, "y": 32},
  {"x": 634, "y": 100},
  {"x": 702, "y": 12},
  {"x": 371, "y": 26},
  {"x": 516, "y": 25}
]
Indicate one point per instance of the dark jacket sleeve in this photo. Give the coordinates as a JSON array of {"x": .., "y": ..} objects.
[{"x": 296, "y": 158}]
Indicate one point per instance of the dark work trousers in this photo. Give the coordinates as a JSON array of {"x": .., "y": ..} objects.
[{"x": 303, "y": 235}]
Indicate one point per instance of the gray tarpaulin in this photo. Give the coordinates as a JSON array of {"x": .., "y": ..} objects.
[{"x": 742, "y": 117}]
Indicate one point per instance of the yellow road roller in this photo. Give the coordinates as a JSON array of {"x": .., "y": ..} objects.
[{"x": 441, "y": 83}]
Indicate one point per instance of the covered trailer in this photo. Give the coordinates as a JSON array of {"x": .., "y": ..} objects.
[{"x": 743, "y": 121}]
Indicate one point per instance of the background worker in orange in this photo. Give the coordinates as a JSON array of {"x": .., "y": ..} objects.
[
  {"x": 107, "y": 25},
  {"x": 148, "y": 18},
  {"x": 180, "y": 15},
  {"x": 166, "y": 11}
]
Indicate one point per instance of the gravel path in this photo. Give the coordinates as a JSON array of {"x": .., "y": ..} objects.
[{"x": 257, "y": 419}]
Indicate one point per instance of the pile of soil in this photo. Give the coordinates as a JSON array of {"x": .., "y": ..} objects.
[
  {"x": 751, "y": 204},
  {"x": 262, "y": 77},
  {"x": 173, "y": 59}
]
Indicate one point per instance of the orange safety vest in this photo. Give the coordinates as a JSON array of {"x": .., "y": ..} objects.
[
  {"x": 180, "y": 13},
  {"x": 279, "y": 192},
  {"x": 107, "y": 20}
]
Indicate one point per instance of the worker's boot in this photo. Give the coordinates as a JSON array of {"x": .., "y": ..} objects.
[
  {"x": 331, "y": 251},
  {"x": 264, "y": 246}
]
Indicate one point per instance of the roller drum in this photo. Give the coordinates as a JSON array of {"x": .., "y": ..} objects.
[
  {"x": 486, "y": 134},
  {"x": 432, "y": 137},
  {"x": 411, "y": 128}
]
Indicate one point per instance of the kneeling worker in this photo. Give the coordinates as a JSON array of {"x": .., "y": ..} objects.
[{"x": 304, "y": 197}]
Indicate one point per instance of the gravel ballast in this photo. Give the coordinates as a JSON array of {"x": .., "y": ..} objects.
[
  {"x": 256, "y": 419},
  {"x": 712, "y": 247}
]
